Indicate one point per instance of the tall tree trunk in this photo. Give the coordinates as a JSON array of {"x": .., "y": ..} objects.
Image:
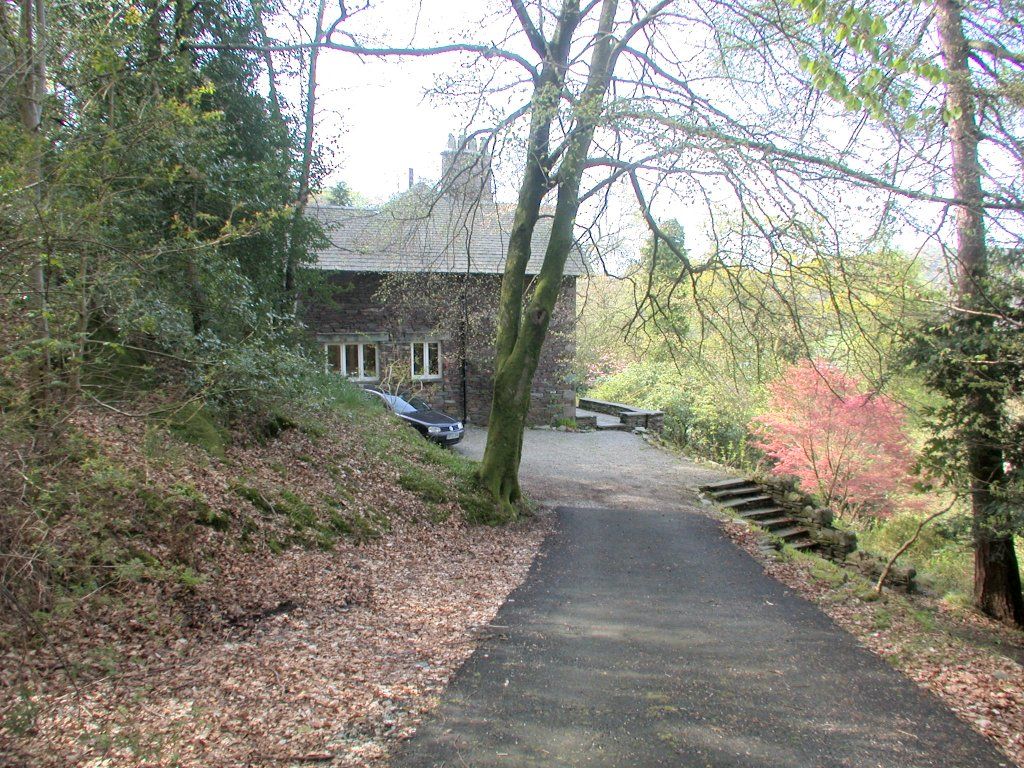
[
  {"x": 997, "y": 586},
  {"x": 302, "y": 197},
  {"x": 276, "y": 109},
  {"x": 183, "y": 31},
  {"x": 521, "y": 332},
  {"x": 32, "y": 92}
]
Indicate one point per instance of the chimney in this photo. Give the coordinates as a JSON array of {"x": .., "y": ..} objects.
[
  {"x": 466, "y": 169},
  {"x": 411, "y": 178}
]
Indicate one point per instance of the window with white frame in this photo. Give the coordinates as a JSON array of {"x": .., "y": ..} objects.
[
  {"x": 425, "y": 357},
  {"x": 355, "y": 360}
]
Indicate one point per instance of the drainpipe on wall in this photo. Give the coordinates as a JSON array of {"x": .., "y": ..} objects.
[{"x": 465, "y": 344}]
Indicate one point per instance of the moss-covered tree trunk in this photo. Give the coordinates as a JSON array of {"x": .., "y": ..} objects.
[
  {"x": 997, "y": 586},
  {"x": 521, "y": 329}
]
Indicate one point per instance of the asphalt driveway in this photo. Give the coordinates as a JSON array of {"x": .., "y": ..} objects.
[{"x": 644, "y": 637}]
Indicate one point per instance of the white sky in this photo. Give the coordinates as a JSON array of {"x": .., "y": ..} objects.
[
  {"x": 374, "y": 113},
  {"x": 374, "y": 117}
]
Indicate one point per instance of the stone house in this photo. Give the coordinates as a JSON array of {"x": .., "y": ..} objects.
[{"x": 412, "y": 293}]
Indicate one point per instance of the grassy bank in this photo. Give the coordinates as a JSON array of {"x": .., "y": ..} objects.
[
  {"x": 942, "y": 555},
  {"x": 140, "y": 549}
]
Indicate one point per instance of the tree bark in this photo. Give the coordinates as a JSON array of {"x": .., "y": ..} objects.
[
  {"x": 302, "y": 196},
  {"x": 997, "y": 586},
  {"x": 521, "y": 332},
  {"x": 32, "y": 92}
]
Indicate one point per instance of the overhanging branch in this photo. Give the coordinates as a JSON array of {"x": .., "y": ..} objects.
[{"x": 767, "y": 148}]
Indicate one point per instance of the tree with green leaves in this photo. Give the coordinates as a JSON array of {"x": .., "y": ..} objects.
[
  {"x": 944, "y": 78},
  {"x": 756, "y": 111},
  {"x": 152, "y": 195},
  {"x": 339, "y": 194}
]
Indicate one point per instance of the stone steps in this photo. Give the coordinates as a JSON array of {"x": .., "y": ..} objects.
[
  {"x": 746, "y": 502},
  {"x": 791, "y": 532},
  {"x": 775, "y": 523},
  {"x": 738, "y": 493},
  {"x": 760, "y": 513},
  {"x": 723, "y": 485},
  {"x": 804, "y": 545},
  {"x": 617, "y": 427},
  {"x": 750, "y": 501}
]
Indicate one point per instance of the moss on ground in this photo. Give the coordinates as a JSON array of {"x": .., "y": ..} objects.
[
  {"x": 424, "y": 483},
  {"x": 192, "y": 423},
  {"x": 436, "y": 474}
]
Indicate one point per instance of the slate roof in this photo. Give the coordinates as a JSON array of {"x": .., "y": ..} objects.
[{"x": 421, "y": 233}]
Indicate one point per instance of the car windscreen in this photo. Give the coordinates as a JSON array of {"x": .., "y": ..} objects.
[
  {"x": 398, "y": 405},
  {"x": 405, "y": 403},
  {"x": 417, "y": 403}
]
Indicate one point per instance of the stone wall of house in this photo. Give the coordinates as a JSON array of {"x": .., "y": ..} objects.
[{"x": 393, "y": 311}]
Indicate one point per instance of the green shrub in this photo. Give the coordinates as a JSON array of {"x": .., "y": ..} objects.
[
  {"x": 194, "y": 424},
  {"x": 706, "y": 420},
  {"x": 271, "y": 386},
  {"x": 941, "y": 555}
]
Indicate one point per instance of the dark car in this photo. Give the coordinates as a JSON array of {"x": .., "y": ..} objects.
[{"x": 429, "y": 422}]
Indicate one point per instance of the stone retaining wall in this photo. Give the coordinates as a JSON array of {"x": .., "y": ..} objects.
[
  {"x": 833, "y": 544},
  {"x": 653, "y": 421}
]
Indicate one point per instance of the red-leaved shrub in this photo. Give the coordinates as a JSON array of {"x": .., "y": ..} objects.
[{"x": 843, "y": 443}]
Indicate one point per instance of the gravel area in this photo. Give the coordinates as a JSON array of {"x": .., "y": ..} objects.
[{"x": 607, "y": 469}]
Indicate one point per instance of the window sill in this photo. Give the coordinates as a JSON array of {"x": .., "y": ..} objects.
[{"x": 428, "y": 378}]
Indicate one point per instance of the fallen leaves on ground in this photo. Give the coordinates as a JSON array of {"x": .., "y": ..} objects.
[
  {"x": 969, "y": 661},
  {"x": 307, "y": 656}
]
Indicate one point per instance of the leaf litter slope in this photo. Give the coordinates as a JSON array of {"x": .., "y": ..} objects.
[{"x": 276, "y": 651}]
